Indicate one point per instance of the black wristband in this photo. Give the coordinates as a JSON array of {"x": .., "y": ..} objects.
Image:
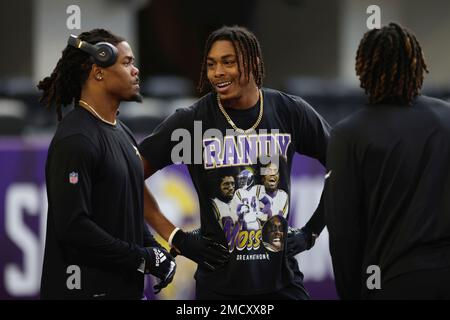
[{"x": 178, "y": 239}]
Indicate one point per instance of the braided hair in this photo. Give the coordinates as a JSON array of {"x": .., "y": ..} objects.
[
  {"x": 390, "y": 65},
  {"x": 63, "y": 86},
  {"x": 246, "y": 47}
]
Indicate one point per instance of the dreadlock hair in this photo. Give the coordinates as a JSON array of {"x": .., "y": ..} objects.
[
  {"x": 390, "y": 65},
  {"x": 246, "y": 47},
  {"x": 64, "y": 85}
]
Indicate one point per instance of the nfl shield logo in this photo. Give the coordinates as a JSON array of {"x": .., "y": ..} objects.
[{"x": 73, "y": 177}]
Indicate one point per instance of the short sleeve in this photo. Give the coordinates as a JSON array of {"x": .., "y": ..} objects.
[
  {"x": 157, "y": 147},
  {"x": 313, "y": 131}
]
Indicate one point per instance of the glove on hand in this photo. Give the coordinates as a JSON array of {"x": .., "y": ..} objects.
[
  {"x": 299, "y": 240},
  {"x": 161, "y": 264},
  {"x": 200, "y": 249}
]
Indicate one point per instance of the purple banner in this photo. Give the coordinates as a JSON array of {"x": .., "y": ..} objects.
[{"x": 23, "y": 207}]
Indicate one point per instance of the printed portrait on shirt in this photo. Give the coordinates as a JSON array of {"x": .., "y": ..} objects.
[
  {"x": 245, "y": 198},
  {"x": 274, "y": 233}
]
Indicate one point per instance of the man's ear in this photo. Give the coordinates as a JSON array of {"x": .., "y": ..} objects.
[{"x": 97, "y": 72}]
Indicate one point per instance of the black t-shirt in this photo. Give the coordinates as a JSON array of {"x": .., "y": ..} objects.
[
  {"x": 95, "y": 183},
  {"x": 235, "y": 198},
  {"x": 387, "y": 197}
]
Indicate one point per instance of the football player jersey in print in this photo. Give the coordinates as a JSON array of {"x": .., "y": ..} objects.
[
  {"x": 288, "y": 125},
  {"x": 274, "y": 203}
]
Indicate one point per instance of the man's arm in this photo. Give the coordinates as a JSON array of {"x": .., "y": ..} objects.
[
  {"x": 71, "y": 204},
  {"x": 155, "y": 217},
  {"x": 312, "y": 140},
  {"x": 152, "y": 213},
  {"x": 343, "y": 214},
  {"x": 192, "y": 245},
  {"x": 316, "y": 223}
]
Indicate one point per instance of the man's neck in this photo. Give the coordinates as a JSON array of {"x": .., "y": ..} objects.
[
  {"x": 246, "y": 101},
  {"x": 272, "y": 193},
  {"x": 105, "y": 107}
]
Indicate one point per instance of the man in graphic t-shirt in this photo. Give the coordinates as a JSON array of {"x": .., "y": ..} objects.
[{"x": 253, "y": 126}]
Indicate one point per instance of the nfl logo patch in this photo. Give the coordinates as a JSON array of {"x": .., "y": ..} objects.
[{"x": 73, "y": 177}]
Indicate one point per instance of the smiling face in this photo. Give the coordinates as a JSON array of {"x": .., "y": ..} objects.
[
  {"x": 271, "y": 182},
  {"x": 224, "y": 75},
  {"x": 276, "y": 235},
  {"x": 272, "y": 178},
  {"x": 121, "y": 80}
]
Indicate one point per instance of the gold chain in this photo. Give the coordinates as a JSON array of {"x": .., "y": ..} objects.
[
  {"x": 261, "y": 111},
  {"x": 86, "y": 105}
]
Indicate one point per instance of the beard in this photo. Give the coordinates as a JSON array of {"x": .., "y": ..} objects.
[
  {"x": 225, "y": 197},
  {"x": 137, "y": 98}
]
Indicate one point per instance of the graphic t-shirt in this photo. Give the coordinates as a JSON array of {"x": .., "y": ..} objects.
[{"x": 242, "y": 181}]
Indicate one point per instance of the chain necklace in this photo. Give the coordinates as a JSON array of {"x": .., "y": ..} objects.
[
  {"x": 86, "y": 105},
  {"x": 261, "y": 111}
]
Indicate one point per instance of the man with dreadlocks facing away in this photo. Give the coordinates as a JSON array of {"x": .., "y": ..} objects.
[
  {"x": 387, "y": 196},
  {"x": 97, "y": 244},
  {"x": 249, "y": 122}
]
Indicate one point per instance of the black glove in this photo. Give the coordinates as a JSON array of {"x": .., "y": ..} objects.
[
  {"x": 299, "y": 240},
  {"x": 161, "y": 264},
  {"x": 200, "y": 249}
]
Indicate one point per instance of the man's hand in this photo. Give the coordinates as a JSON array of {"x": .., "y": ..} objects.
[
  {"x": 299, "y": 240},
  {"x": 200, "y": 249},
  {"x": 161, "y": 264}
]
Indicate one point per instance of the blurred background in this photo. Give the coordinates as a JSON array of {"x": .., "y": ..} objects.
[{"x": 308, "y": 47}]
